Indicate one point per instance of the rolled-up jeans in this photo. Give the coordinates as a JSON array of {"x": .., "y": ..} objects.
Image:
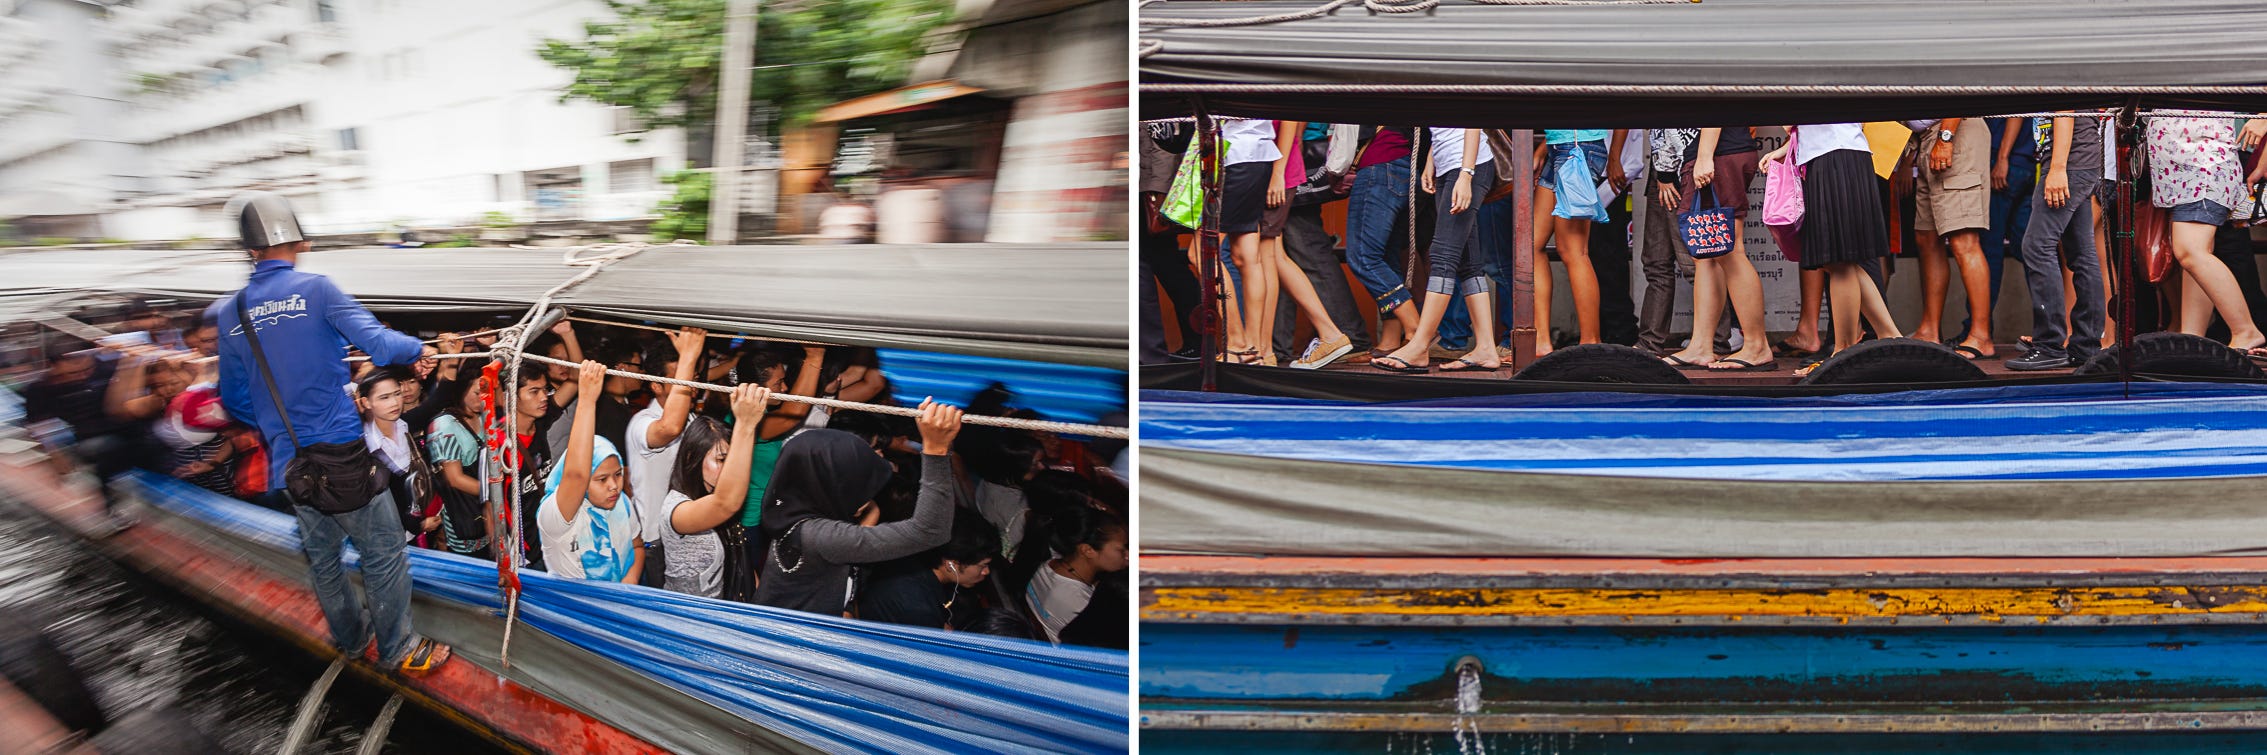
[
  {"x": 1456, "y": 261},
  {"x": 376, "y": 532},
  {"x": 1380, "y": 197}
]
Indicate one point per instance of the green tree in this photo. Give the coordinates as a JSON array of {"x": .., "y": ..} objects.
[
  {"x": 685, "y": 214},
  {"x": 663, "y": 58}
]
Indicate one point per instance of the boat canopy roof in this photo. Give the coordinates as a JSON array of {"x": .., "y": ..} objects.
[
  {"x": 1710, "y": 63},
  {"x": 1062, "y": 303}
]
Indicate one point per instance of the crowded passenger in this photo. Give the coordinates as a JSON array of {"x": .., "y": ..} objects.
[
  {"x": 822, "y": 517},
  {"x": 1972, "y": 191},
  {"x": 707, "y": 552},
  {"x": 589, "y": 532}
]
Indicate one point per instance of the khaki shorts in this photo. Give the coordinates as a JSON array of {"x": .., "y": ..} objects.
[{"x": 1957, "y": 198}]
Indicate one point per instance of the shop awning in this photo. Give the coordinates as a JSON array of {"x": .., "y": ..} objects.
[
  {"x": 895, "y": 100},
  {"x": 1710, "y": 63}
]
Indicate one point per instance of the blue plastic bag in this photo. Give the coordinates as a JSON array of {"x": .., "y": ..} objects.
[{"x": 1578, "y": 191}]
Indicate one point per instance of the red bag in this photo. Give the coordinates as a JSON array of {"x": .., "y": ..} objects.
[{"x": 2153, "y": 239}]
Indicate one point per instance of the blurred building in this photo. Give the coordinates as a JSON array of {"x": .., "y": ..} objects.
[
  {"x": 1014, "y": 129},
  {"x": 368, "y": 114}
]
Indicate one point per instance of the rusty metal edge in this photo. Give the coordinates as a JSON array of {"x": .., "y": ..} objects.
[
  {"x": 1153, "y": 579},
  {"x": 1604, "y": 723},
  {"x": 1949, "y": 620}
]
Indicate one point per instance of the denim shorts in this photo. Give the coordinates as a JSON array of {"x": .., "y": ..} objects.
[
  {"x": 2203, "y": 211},
  {"x": 1560, "y": 153}
]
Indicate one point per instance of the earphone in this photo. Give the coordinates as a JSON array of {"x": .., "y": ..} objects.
[{"x": 954, "y": 566}]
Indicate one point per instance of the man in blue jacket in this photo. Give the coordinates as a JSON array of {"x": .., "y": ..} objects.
[{"x": 305, "y": 324}]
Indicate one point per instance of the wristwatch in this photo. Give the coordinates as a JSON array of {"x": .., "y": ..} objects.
[{"x": 1943, "y": 135}]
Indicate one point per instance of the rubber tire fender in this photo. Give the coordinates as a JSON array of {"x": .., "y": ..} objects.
[
  {"x": 1602, "y": 363},
  {"x": 1895, "y": 360},
  {"x": 2176, "y": 354}
]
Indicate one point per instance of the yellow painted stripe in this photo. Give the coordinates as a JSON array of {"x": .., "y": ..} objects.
[{"x": 2045, "y": 602}]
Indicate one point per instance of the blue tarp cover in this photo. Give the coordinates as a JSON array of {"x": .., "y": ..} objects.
[
  {"x": 835, "y": 684},
  {"x": 2092, "y": 431}
]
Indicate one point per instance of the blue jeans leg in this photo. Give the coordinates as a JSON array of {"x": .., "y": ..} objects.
[
  {"x": 377, "y": 535},
  {"x": 1381, "y": 195},
  {"x": 1495, "y": 240}
]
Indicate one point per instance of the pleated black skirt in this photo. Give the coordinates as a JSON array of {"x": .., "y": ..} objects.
[{"x": 1843, "y": 219}]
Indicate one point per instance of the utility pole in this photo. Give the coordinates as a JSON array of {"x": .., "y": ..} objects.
[{"x": 732, "y": 123}]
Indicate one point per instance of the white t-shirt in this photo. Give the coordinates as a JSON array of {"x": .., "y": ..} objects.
[
  {"x": 649, "y": 470},
  {"x": 1448, "y": 151},
  {"x": 696, "y": 561},
  {"x": 1818, "y": 139},
  {"x": 566, "y": 540},
  {"x": 1250, "y": 141},
  {"x": 1056, "y": 600}
]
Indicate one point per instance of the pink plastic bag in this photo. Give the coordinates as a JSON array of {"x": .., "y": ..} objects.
[{"x": 1783, "y": 204}]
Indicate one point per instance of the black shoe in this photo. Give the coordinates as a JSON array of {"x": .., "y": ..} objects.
[
  {"x": 2040, "y": 358},
  {"x": 1186, "y": 354}
]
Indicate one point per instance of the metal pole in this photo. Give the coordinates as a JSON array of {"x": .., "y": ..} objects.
[
  {"x": 731, "y": 123},
  {"x": 1524, "y": 255},
  {"x": 1208, "y": 237}
]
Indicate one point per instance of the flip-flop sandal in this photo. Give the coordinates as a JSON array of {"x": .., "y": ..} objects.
[
  {"x": 1397, "y": 364},
  {"x": 1681, "y": 364},
  {"x": 1970, "y": 352},
  {"x": 1744, "y": 366},
  {"x": 1464, "y": 366},
  {"x": 1786, "y": 349},
  {"x": 426, "y": 656},
  {"x": 2258, "y": 354}
]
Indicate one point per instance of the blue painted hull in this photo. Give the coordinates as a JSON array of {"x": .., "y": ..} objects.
[{"x": 1279, "y": 666}]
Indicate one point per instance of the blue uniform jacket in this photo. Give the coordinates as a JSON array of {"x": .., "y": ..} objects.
[{"x": 305, "y": 322}]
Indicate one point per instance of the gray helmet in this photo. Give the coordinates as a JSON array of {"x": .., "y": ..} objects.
[{"x": 264, "y": 220}]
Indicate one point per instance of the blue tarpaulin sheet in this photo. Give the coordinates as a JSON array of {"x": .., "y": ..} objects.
[
  {"x": 2090, "y": 431},
  {"x": 835, "y": 684},
  {"x": 1060, "y": 392}
]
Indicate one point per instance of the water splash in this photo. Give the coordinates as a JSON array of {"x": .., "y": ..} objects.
[{"x": 1468, "y": 739}]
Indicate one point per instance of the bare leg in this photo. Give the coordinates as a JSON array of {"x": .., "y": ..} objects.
[
  {"x": 1303, "y": 294},
  {"x": 1252, "y": 263},
  {"x": 1483, "y": 331},
  {"x": 2109, "y": 282},
  {"x": 1844, "y": 295},
  {"x": 1875, "y": 308},
  {"x": 1707, "y": 308},
  {"x": 1936, "y": 280},
  {"x": 1391, "y": 331},
  {"x": 1582, "y": 280},
  {"x": 1418, "y": 351},
  {"x": 2192, "y": 244},
  {"x": 1737, "y": 275},
  {"x": 1544, "y": 223},
  {"x": 1813, "y": 285},
  {"x": 1270, "y": 251},
  {"x": 2195, "y": 308},
  {"x": 1975, "y": 279}
]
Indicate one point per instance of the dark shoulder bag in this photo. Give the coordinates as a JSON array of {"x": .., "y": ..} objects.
[{"x": 333, "y": 478}]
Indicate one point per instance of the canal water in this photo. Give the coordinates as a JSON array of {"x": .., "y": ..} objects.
[{"x": 139, "y": 644}]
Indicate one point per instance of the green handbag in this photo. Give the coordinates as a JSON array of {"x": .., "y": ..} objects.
[{"x": 1184, "y": 201}]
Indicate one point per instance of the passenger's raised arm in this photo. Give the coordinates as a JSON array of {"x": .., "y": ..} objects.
[
  {"x": 679, "y": 404},
  {"x": 731, "y": 491},
  {"x": 574, "y": 468}
]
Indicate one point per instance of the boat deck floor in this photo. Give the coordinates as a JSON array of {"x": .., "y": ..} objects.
[{"x": 1993, "y": 366}]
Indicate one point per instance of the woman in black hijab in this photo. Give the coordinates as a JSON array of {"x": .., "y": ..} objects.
[{"x": 820, "y": 514}]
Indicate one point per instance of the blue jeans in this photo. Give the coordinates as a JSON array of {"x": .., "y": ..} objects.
[
  {"x": 1381, "y": 195},
  {"x": 2010, "y": 215},
  {"x": 1494, "y": 238},
  {"x": 377, "y": 535}
]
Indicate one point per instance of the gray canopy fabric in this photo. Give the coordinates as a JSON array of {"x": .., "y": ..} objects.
[
  {"x": 1710, "y": 63},
  {"x": 1057, "y": 303},
  {"x": 1207, "y": 502}
]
